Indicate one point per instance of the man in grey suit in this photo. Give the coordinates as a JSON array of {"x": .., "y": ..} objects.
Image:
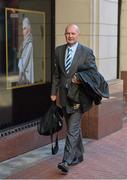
[{"x": 64, "y": 74}]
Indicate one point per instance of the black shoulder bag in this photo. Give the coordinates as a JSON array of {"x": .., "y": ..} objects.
[{"x": 50, "y": 123}]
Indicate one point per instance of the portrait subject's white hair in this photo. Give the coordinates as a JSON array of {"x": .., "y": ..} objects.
[{"x": 26, "y": 23}]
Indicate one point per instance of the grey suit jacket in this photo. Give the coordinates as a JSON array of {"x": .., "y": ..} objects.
[{"x": 61, "y": 80}]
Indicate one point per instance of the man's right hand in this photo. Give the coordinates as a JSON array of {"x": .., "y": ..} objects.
[{"x": 53, "y": 97}]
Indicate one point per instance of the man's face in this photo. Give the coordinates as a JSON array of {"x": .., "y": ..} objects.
[{"x": 71, "y": 35}]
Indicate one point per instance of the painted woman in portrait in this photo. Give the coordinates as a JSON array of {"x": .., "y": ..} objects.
[{"x": 26, "y": 64}]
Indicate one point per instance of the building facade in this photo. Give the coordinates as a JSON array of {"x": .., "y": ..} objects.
[
  {"x": 103, "y": 28},
  {"x": 98, "y": 22}
]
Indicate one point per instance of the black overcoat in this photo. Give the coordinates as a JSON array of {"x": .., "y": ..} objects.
[{"x": 92, "y": 89}]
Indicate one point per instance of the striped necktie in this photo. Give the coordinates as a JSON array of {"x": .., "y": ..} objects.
[{"x": 68, "y": 60}]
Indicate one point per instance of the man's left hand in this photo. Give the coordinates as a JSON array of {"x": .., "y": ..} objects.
[{"x": 74, "y": 80}]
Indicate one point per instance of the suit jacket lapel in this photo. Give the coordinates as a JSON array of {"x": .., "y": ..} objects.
[{"x": 62, "y": 63}]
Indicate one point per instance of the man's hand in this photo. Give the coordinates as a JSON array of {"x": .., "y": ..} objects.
[
  {"x": 74, "y": 80},
  {"x": 53, "y": 97}
]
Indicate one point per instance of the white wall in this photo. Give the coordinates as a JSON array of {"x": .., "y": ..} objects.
[{"x": 108, "y": 13}]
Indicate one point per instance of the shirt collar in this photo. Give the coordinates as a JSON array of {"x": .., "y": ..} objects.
[{"x": 73, "y": 47}]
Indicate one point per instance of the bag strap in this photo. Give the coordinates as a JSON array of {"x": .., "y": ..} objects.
[{"x": 55, "y": 147}]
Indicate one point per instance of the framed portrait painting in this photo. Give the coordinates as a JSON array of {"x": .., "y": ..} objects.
[{"x": 25, "y": 47}]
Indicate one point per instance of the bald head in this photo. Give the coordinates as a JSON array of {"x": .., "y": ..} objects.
[{"x": 74, "y": 26}]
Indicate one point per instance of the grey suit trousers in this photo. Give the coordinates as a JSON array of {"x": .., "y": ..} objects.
[{"x": 73, "y": 143}]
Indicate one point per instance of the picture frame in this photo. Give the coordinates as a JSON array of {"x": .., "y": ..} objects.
[{"x": 25, "y": 53}]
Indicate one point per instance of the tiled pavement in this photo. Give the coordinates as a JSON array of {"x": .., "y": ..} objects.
[
  {"x": 103, "y": 159},
  {"x": 25, "y": 160},
  {"x": 30, "y": 159}
]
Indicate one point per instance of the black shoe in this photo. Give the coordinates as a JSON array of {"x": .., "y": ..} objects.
[
  {"x": 77, "y": 161},
  {"x": 63, "y": 166}
]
